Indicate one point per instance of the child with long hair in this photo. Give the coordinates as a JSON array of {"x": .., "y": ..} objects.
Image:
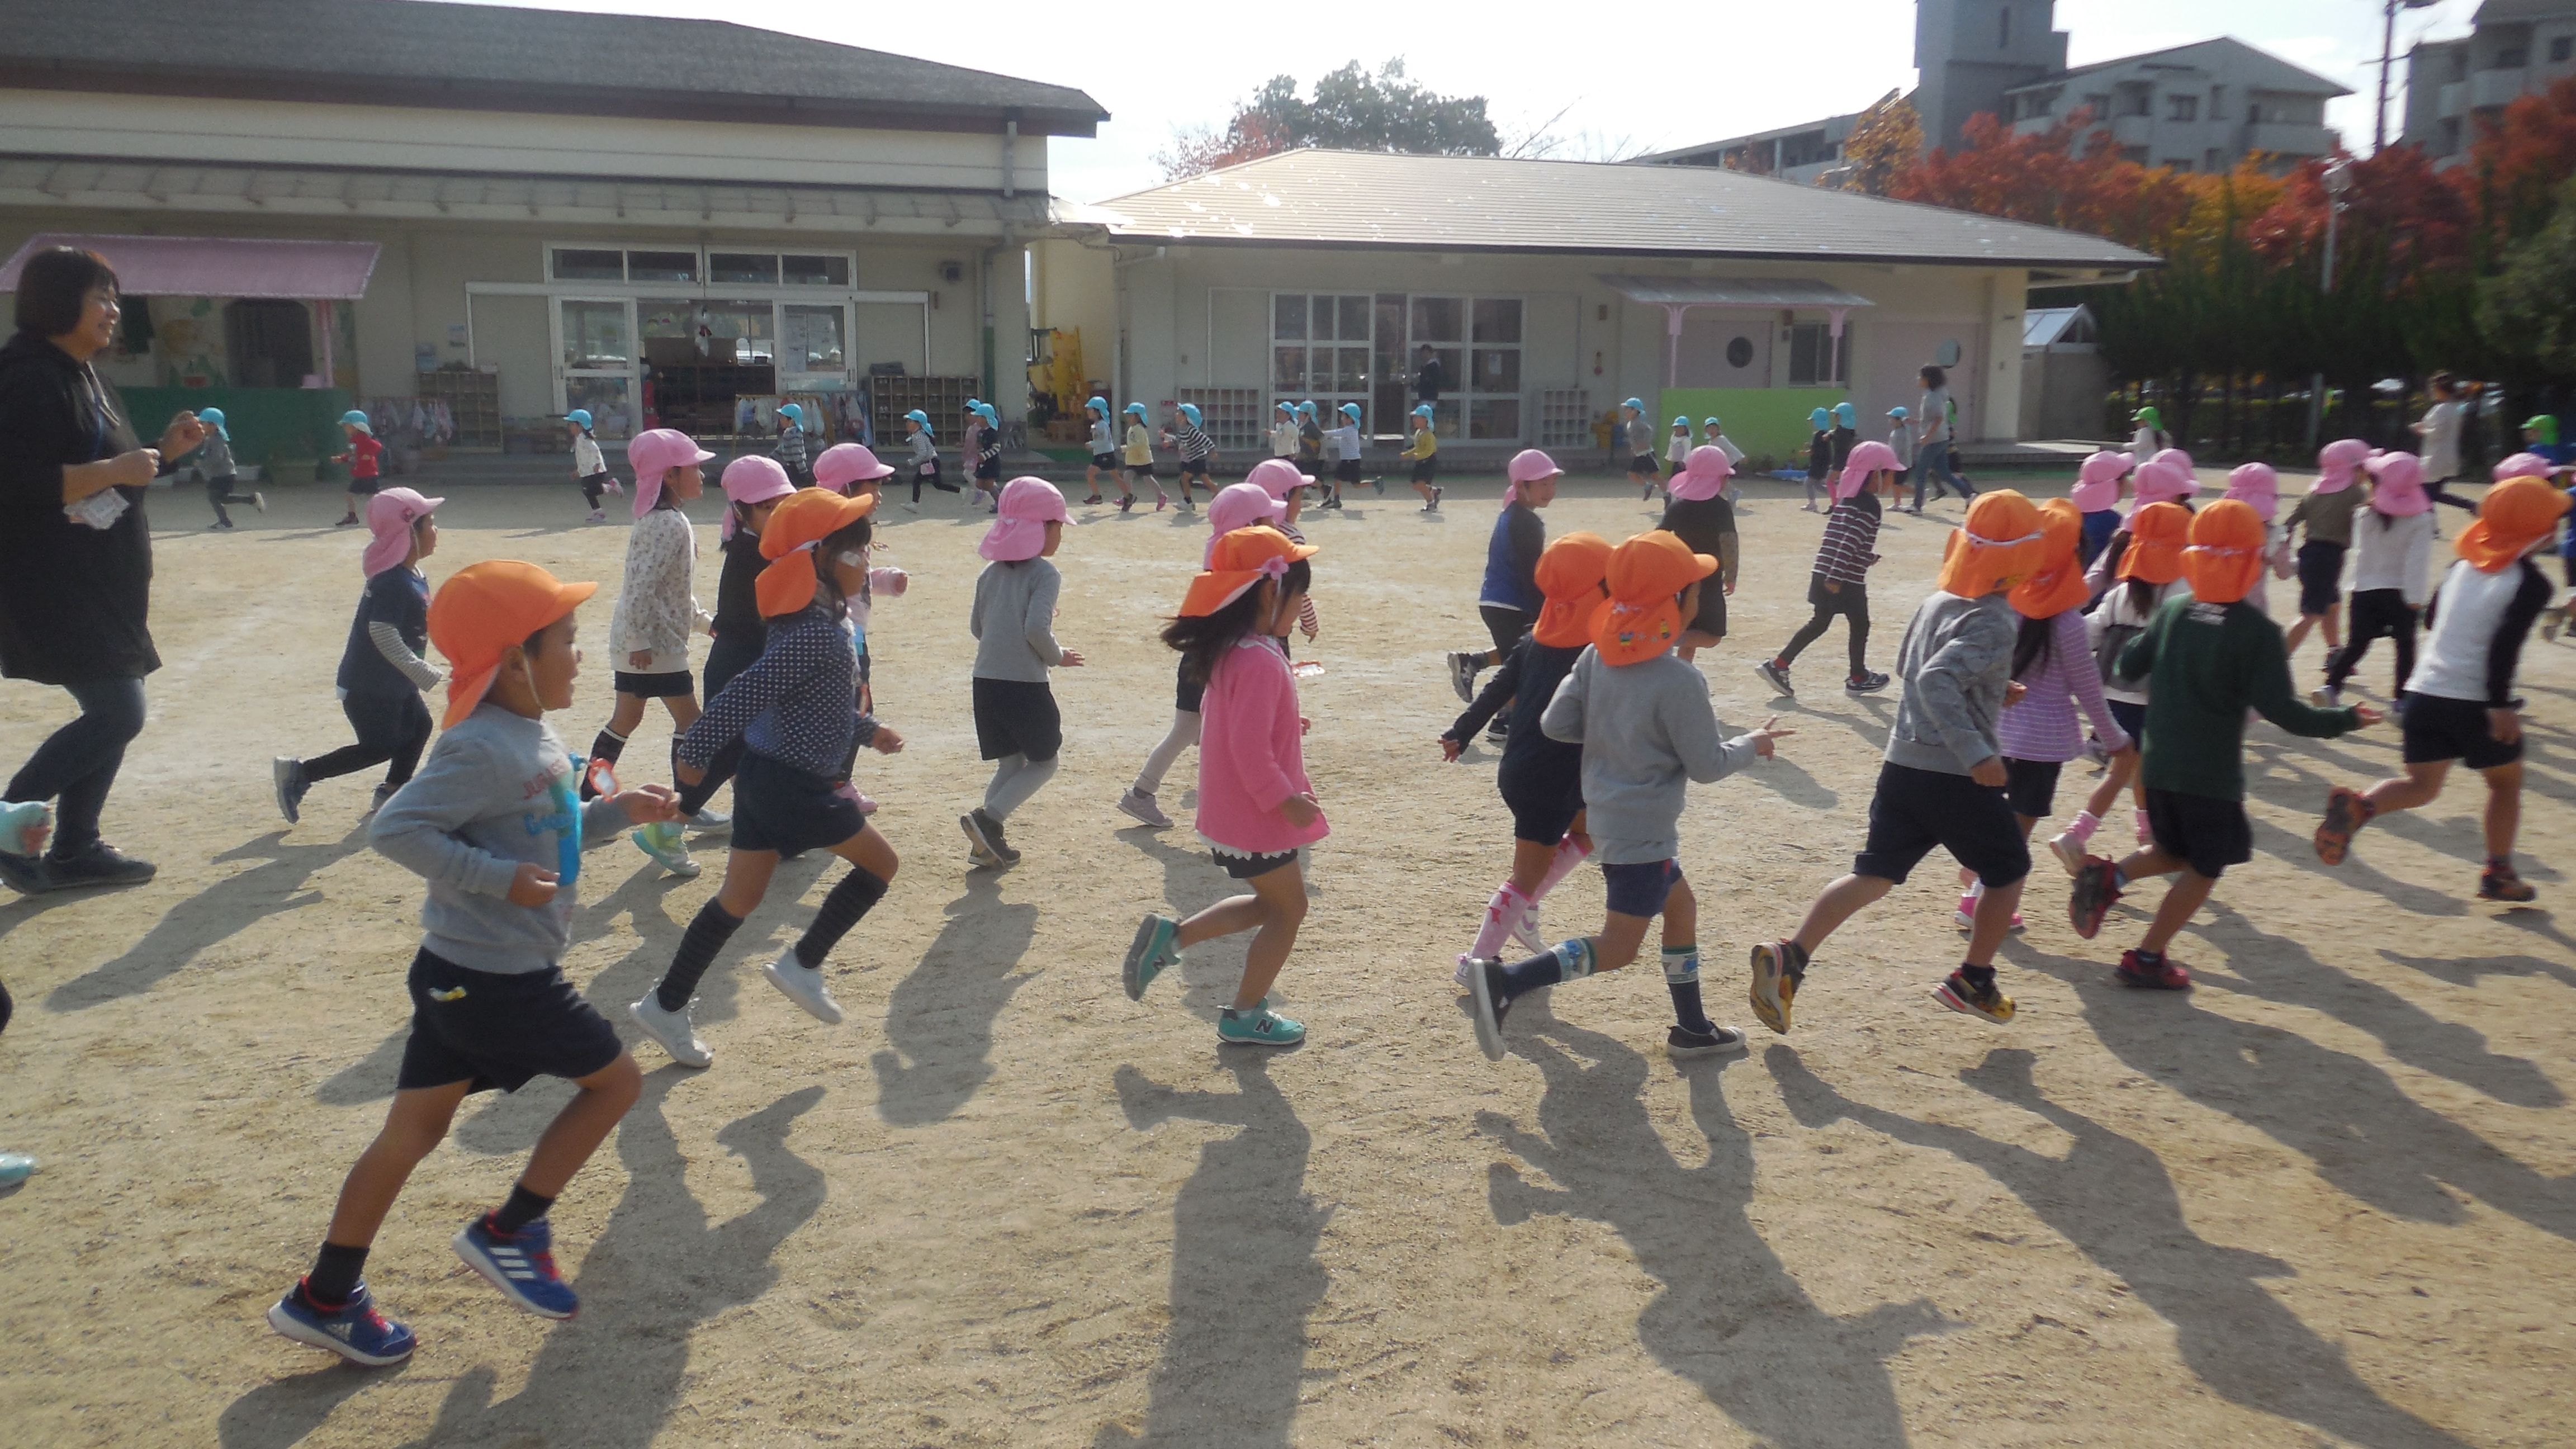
[
  {"x": 2392, "y": 545},
  {"x": 381, "y": 669},
  {"x": 1017, "y": 724},
  {"x": 1838, "y": 586},
  {"x": 2150, "y": 551},
  {"x": 1646, "y": 729},
  {"x": 1256, "y": 806},
  {"x": 1541, "y": 779},
  {"x": 795, "y": 711},
  {"x": 2461, "y": 705},
  {"x": 2160, "y": 479},
  {"x": 657, "y": 608},
  {"x": 753, "y": 487}
]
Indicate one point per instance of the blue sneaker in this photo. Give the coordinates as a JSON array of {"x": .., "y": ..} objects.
[
  {"x": 1258, "y": 1027},
  {"x": 1156, "y": 946},
  {"x": 520, "y": 1264},
  {"x": 355, "y": 1330}
]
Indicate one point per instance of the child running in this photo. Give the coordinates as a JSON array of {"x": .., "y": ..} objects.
[
  {"x": 2212, "y": 657},
  {"x": 1140, "y": 460},
  {"x": 1541, "y": 779},
  {"x": 1677, "y": 449},
  {"x": 362, "y": 456},
  {"x": 1704, "y": 521},
  {"x": 795, "y": 448},
  {"x": 2326, "y": 512},
  {"x": 1943, "y": 780},
  {"x": 2461, "y": 705},
  {"x": 753, "y": 487},
  {"x": 1839, "y": 584},
  {"x": 1820, "y": 452},
  {"x": 1643, "y": 720},
  {"x": 924, "y": 464},
  {"x": 1284, "y": 433},
  {"x": 2096, "y": 497},
  {"x": 1343, "y": 444},
  {"x": 381, "y": 669},
  {"x": 1424, "y": 451},
  {"x": 214, "y": 463},
  {"x": 2393, "y": 543},
  {"x": 795, "y": 712},
  {"x": 1187, "y": 438},
  {"x": 589, "y": 468},
  {"x": 1510, "y": 598},
  {"x": 2258, "y": 486},
  {"x": 1104, "y": 456},
  {"x": 2150, "y": 562},
  {"x": 657, "y": 609},
  {"x": 1013, "y": 621},
  {"x": 988, "y": 455},
  {"x": 2157, "y": 480},
  {"x": 1256, "y": 806},
  {"x": 491, "y": 823}
]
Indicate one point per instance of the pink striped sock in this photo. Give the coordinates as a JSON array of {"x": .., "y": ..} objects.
[{"x": 1506, "y": 908}]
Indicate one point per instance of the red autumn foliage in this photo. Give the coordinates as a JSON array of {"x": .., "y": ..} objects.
[
  {"x": 2518, "y": 162},
  {"x": 2422, "y": 216},
  {"x": 2046, "y": 178}
]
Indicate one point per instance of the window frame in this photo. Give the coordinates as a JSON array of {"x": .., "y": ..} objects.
[{"x": 1454, "y": 417}]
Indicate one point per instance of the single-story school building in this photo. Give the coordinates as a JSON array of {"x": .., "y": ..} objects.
[
  {"x": 471, "y": 218},
  {"x": 1551, "y": 291}
]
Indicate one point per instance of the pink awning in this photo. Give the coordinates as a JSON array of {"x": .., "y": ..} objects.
[{"x": 198, "y": 266}]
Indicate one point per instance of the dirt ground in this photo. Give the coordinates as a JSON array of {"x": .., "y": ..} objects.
[{"x": 2326, "y": 1199}]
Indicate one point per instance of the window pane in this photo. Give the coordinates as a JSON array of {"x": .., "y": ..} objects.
[
  {"x": 1323, "y": 320},
  {"x": 1498, "y": 369},
  {"x": 607, "y": 399},
  {"x": 1288, "y": 317},
  {"x": 759, "y": 267},
  {"x": 1444, "y": 418},
  {"x": 1802, "y": 355},
  {"x": 814, "y": 340},
  {"x": 1494, "y": 417},
  {"x": 737, "y": 331},
  {"x": 1288, "y": 364},
  {"x": 1355, "y": 319},
  {"x": 1353, "y": 374},
  {"x": 814, "y": 271},
  {"x": 1437, "y": 319},
  {"x": 573, "y": 265},
  {"x": 661, "y": 266},
  {"x": 1498, "y": 319},
  {"x": 594, "y": 335}
]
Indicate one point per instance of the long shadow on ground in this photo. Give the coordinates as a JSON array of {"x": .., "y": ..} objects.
[
  {"x": 939, "y": 1019},
  {"x": 217, "y": 913}
]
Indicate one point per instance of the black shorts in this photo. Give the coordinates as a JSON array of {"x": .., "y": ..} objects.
[
  {"x": 1187, "y": 693},
  {"x": 1104, "y": 460},
  {"x": 777, "y": 806},
  {"x": 676, "y": 683},
  {"x": 2131, "y": 718},
  {"x": 1915, "y": 810},
  {"x": 1543, "y": 809},
  {"x": 1505, "y": 626},
  {"x": 1712, "y": 608},
  {"x": 1347, "y": 471},
  {"x": 365, "y": 485},
  {"x": 2210, "y": 835},
  {"x": 988, "y": 469},
  {"x": 2320, "y": 576},
  {"x": 2453, "y": 729},
  {"x": 1194, "y": 468},
  {"x": 1017, "y": 717},
  {"x": 1643, "y": 463},
  {"x": 1425, "y": 469},
  {"x": 1252, "y": 867},
  {"x": 1142, "y": 470},
  {"x": 499, "y": 1029},
  {"x": 1641, "y": 890},
  {"x": 2030, "y": 786}
]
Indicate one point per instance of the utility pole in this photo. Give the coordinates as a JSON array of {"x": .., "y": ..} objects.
[
  {"x": 2338, "y": 180},
  {"x": 2387, "y": 58}
]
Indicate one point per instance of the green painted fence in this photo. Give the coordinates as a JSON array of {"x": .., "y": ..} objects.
[
  {"x": 1769, "y": 420},
  {"x": 269, "y": 425}
]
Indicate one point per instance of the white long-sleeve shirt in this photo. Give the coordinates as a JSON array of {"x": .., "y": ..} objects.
[
  {"x": 657, "y": 609},
  {"x": 1283, "y": 440},
  {"x": 585, "y": 457},
  {"x": 2393, "y": 553}
]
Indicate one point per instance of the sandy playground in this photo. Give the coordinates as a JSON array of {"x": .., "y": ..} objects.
[{"x": 2327, "y": 1199}]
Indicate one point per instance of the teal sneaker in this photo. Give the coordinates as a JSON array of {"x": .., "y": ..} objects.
[
  {"x": 1157, "y": 945},
  {"x": 15, "y": 1168},
  {"x": 1258, "y": 1027},
  {"x": 663, "y": 841}
]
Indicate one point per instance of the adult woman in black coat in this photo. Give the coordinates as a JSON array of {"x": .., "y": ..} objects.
[{"x": 75, "y": 597}]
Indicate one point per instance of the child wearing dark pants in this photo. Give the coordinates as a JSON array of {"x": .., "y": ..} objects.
[
  {"x": 492, "y": 823},
  {"x": 1943, "y": 779},
  {"x": 214, "y": 463},
  {"x": 796, "y": 711},
  {"x": 381, "y": 669},
  {"x": 2211, "y": 656},
  {"x": 1839, "y": 585},
  {"x": 2392, "y": 543},
  {"x": 1643, "y": 719}
]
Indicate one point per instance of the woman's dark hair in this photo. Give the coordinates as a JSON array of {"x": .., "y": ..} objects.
[
  {"x": 1204, "y": 638},
  {"x": 2032, "y": 645},
  {"x": 1933, "y": 376},
  {"x": 847, "y": 536},
  {"x": 54, "y": 288}
]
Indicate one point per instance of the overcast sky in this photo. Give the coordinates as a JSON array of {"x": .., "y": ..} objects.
[{"x": 1635, "y": 75}]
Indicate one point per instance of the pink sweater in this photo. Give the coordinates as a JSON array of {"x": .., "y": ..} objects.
[
  {"x": 2042, "y": 728},
  {"x": 1251, "y": 753}
]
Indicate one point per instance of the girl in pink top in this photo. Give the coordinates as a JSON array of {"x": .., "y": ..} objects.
[{"x": 1256, "y": 806}]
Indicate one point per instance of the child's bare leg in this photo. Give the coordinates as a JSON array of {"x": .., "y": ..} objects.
[
  {"x": 2188, "y": 892},
  {"x": 1993, "y": 922},
  {"x": 1530, "y": 861},
  {"x": 582, "y": 1125},
  {"x": 1840, "y": 902},
  {"x": 2334, "y": 626},
  {"x": 1621, "y": 935},
  {"x": 2124, "y": 769},
  {"x": 626, "y": 715},
  {"x": 414, "y": 1126},
  {"x": 2419, "y": 786},
  {"x": 2504, "y": 808},
  {"x": 1281, "y": 896},
  {"x": 2298, "y": 631},
  {"x": 684, "y": 711},
  {"x": 746, "y": 881},
  {"x": 1228, "y": 917}
]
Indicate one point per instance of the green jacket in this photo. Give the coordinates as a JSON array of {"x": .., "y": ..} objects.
[{"x": 2210, "y": 663}]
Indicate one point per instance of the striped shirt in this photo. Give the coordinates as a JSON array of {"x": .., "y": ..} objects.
[
  {"x": 792, "y": 448},
  {"x": 1194, "y": 444},
  {"x": 1850, "y": 531}
]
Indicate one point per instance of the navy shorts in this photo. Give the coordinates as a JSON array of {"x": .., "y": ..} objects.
[
  {"x": 1017, "y": 717},
  {"x": 1347, "y": 471},
  {"x": 2209, "y": 834},
  {"x": 1640, "y": 890},
  {"x": 2131, "y": 718},
  {"x": 499, "y": 1029},
  {"x": 675, "y": 684},
  {"x": 988, "y": 470},
  {"x": 2030, "y": 787},
  {"x": 1253, "y": 867},
  {"x": 2453, "y": 729},
  {"x": 1187, "y": 694},
  {"x": 1425, "y": 469},
  {"x": 1542, "y": 809},
  {"x": 1194, "y": 468},
  {"x": 1643, "y": 463},
  {"x": 1104, "y": 460},
  {"x": 1914, "y": 810},
  {"x": 777, "y": 806},
  {"x": 2320, "y": 576}
]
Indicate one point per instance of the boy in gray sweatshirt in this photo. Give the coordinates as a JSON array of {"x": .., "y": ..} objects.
[
  {"x": 491, "y": 821},
  {"x": 1942, "y": 782},
  {"x": 1643, "y": 718}
]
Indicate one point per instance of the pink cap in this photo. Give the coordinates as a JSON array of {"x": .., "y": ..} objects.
[
  {"x": 390, "y": 515},
  {"x": 751, "y": 479},
  {"x": 1027, "y": 506},
  {"x": 2338, "y": 462},
  {"x": 2160, "y": 480},
  {"x": 2400, "y": 476},
  {"x": 2524, "y": 465},
  {"x": 1703, "y": 475},
  {"x": 2097, "y": 483},
  {"x": 843, "y": 464},
  {"x": 1239, "y": 505},
  {"x": 654, "y": 452},
  {"x": 1866, "y": 458},
  {"x": 2178, "y": 458},
  {"x": 2257, "y": 487},
  {"x": 1528, "y": 466},
  {"x": 1277, "y": 477}
]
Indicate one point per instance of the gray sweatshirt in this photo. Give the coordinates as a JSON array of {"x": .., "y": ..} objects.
[
  {"x": 215, "y": 458},
  {"x": 498, "y": 790},
  {"x": 1955, "y": 662},
  {"x": 1645, "y": 729},
  {"x": 1013, "y": 620}
]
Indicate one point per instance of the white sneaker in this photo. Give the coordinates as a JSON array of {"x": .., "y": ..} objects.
[
  {"x": 673, "y": 1031},
  {"x": 803, "y": 985},
  {"x": 259, "y": 501},
  {"x": 1526, "y": 931},
  {"x": 597, "y": 515},
  {"x": 912, "y": 508},
  {"x": 2068, "y": 850},
  {"x": 710, "y": 820},
  {"x": 1466, "y": 963},
  {"x": 1139, "y": 805}
]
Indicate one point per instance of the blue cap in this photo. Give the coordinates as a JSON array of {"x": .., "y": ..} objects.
[
  {"x": 1846, "y": 414},
  {"x": 1423, "y": 411},
  {"x": 1820, "y": 420},
  {"x": 1289, "y": 408},
  {"x": 1633, "y": 406},
  {"x": 974, "y": 405},
  {"x": 985, "y": 411},
  {"x": 1682, "y": 423},
  {"x": 1098, "y": 405},
  {"x": 577, "y": 415},
  {"x": 354, "y": 417},
  {"x": 1191, "y": 411},
  {"x": 1899, "y": 414},
  {"x": 1709, "y": 423},
  {"x": 214, "y": 418},
  {"x": 793, "y": 412},
  {"x": 1351, "y": 411},
  {"x": 1135, "y": 409},
  {"x": 917, "y": 416},
  {"x": 1307, "y": 408}
]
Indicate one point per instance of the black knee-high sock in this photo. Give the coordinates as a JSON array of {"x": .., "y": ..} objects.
[
  {"x": 708, "y": 931},
  {"x": 858, "y": 891},
  {"x": 608, "y": 746}
]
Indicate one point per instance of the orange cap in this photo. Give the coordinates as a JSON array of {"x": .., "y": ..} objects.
[
  {"x": 482, "y": 612},
  {"x": 2515, "y": 514},
  {"x": 1238, "y": 561},
  {"x": 2226, "y": 553},
  {"x": 799, "y": 522},
  {"x": 1646, "y": 577},
  {"x": 1570, "y": 571},
  {"x": 2158, "y": 534},
  {"x": 1999, "y": 542},
  {"x": 2056, "y": 582}
]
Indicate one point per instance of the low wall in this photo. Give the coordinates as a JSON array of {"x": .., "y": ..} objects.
[{"x": 1757, "y": 419}]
